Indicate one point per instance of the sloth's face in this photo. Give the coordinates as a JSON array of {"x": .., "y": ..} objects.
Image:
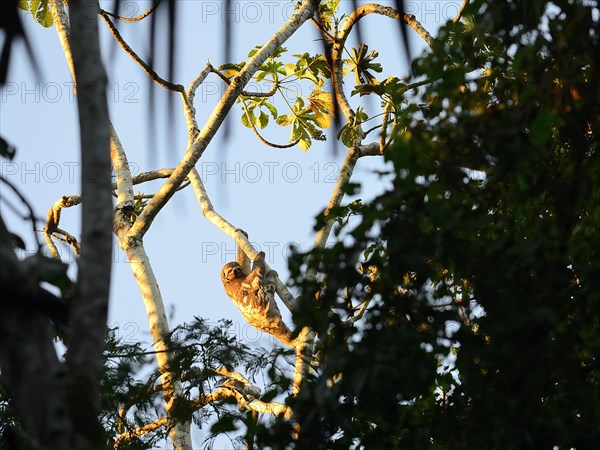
[{"x": 231, "y": 271}]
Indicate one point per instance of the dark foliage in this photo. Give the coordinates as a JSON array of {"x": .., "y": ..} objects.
[{"x": 481, "y": 263}]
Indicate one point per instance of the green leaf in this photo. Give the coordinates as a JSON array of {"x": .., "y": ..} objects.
[
  {"x": 263, "y": 119},
  {"x": 248, "y": 119},
  {"x": 304, "y": 144},
  {"x": 542, "y": 127},
  {"x": 271, "y": 109},
  {"x": 39, "y": 9},
  {"x": 231, "y": 69},
  {"x": 284, "y": 120},
  {"x": 362, "y": 63},
  {"x": 290, "y": 69}
]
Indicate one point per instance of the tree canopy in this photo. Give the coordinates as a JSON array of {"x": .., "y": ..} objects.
[
  {"x": 458, "y": 309},
  {"x": 481, "y": 262}
]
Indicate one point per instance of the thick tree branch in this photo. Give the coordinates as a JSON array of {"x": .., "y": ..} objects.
[
  {"x": 159, "y": 330},
  {"x": 148, "y": 428}
]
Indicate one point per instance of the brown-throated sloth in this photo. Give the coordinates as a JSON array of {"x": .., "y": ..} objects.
[{"x": 254, "y": 295}]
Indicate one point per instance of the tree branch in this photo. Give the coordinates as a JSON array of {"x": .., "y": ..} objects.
[
  {"x": 149, "y": 71},
  {"x": 223, "y": 393},
  {"x": 259, "y": 136},
  {"x": 132, "y": 434},
  {"x": 136, "y": 18},
  {"x": 373, "y": 8},
  {"x": 195, "y": 151},
  {"x": 460, "y": 11},
  {"x": 242, "y": 241}
]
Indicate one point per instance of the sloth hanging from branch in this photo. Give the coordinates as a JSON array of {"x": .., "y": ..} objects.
[{"x": 253, "y": 293}]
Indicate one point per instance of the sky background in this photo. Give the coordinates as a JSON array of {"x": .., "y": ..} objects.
[{"x": 273, "y": 194}]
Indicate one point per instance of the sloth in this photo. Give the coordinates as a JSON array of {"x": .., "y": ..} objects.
[{"x": 253, "y": 294}]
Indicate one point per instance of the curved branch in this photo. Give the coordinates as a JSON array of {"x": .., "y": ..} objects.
[
  {"x": 197, "y": 148},
  {"x": 133, "y": 19},
  {"x": 149, "y": 71},
  {"x": 259, "y": 136},
  {"x": 31, "y": 215},
  {"x": 53, "y": 219},
  {"x": 234, "y": 381},
  {"x": 373, "y": 8},
  {"x": 221, "y": 393},
  {"x": 344, "y": 31}
]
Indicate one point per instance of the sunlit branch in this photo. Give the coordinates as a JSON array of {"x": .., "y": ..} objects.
[
  {"x": 250, "y": 404},
  {"x": 122, "y": 172},
  {"x": 133, "y": 19},
  {"x": 384, "y": 125},
  {"x": 460, "y": 11},
  {"x": 356, "y": 317},
  {"x": 305, "y": 341},
  {"x": 132, "y": 434},
  {"x": 188, "y": 103},
  {"x": 240, "y": 239},
  {"x": 373, "y": 8}
]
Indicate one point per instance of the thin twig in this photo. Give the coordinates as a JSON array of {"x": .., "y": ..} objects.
[
  {"x": 149, "y": 71},
  {"x": 460, "y": 11},
  {"x": 259, "y": 136},
  {"x": 31, "y": 216},
  {"x": 384, "y": 125},
  {"x": 133, "y": 19}
]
